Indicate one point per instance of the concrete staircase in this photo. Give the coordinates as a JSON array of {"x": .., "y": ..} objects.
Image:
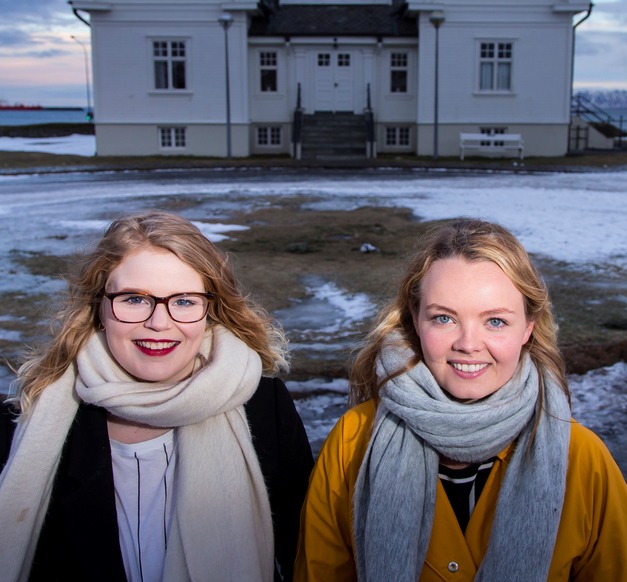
[{"x": 333, "y": 136}]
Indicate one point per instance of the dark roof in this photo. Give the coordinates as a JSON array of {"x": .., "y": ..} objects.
[{"x": 333, "y": 20}]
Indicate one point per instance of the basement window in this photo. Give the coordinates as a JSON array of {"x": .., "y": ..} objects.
[
  {"x": 397, "y": 136},
  {"x": 492, "y": 131},
  {"x": 172, "y": 137},
  {"x": 269, "y": 135}
]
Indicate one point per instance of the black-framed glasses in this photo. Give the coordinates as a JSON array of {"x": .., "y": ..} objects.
[{"x": 139, "y": 307}]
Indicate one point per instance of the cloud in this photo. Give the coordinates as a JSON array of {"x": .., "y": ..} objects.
[{"x": 33, "y": 11}]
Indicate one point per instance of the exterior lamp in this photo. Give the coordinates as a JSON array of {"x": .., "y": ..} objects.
[
  {"x": 225, "y": 21},
  {"x": 437, "y": 19}
]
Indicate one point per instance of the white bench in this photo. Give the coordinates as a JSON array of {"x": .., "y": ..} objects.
[{"x": 484, "y": 143}]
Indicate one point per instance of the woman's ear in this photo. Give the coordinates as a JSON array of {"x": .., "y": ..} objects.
[{"x": 528, "y": 331}]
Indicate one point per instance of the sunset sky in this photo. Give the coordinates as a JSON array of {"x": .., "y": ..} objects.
[{"x": 41, "y": 64}]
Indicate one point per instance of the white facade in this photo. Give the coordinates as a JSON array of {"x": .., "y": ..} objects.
[{"x": 159, "y": 70}]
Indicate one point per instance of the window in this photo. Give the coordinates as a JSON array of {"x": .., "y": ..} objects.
[
  {"x": 397, "y": 136},
  {"x": 172, "y": 137},
  {"x": 344, "y": 60},
  {"x": 268, "y": 72},
  {"x": 169, "y": 64},
  {"x": 492, "y": 131},
  {"x": 398, "y": 74},
  {"x": 324, "y": 60},
  {"x": 269, "y": 136},
  {"x": 495, "y": 72}
]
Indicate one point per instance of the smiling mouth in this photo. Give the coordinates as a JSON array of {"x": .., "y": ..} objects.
[
  {"x": 156, "y": 348},
  {"x": 470, "y": 368}
]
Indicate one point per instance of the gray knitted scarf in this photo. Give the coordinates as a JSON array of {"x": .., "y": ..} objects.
[{"x": 394, "y": 499}]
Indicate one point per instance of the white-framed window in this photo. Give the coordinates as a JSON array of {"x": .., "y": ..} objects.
[
  {"x": 495, "y": 66},
  {"x": 492, "y": 131},
  {"x": 172, "y": 137},
  {"x": 397, "y": 136},
  {"x": 270, "y": 135},
  {"x": 324, "y": 60},
  {"x": 398, "y": 72},
  {"x": 169, "y": 59},
  {"x": 268, "y": 73},
  {"x": 344, "y": 60}
]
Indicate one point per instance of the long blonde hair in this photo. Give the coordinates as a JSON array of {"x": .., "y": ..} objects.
[
  {"x": 473, "y": 240},
  {"x": 79, "y": 317}
]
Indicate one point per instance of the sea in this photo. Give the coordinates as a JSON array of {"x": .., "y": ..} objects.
[
  {"x": 16, "y": 117},
  {"x": 79, "y": 115}
]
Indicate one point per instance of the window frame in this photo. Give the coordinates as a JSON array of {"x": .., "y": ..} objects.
[
  {"x": 398, "y": 70},
  {"x": 501, "y": 53},
  {"x": 268, "y": 67},
  {"x": 401, "y": 136},
  {"x": 271, "y": 132},
  {"x": 176, "y": 137},
  {"x": 175, "y": 64}
]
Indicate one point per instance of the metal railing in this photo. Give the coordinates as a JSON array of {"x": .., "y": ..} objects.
[
  {"x": 371, "y": 139},
  {"x": 297, "y": 127},
  {"x": 610, "y": 126}
]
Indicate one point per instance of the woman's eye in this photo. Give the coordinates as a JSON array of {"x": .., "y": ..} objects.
[
  {"x": 443, "y": 319},
  {"x": 134, "y": 299},
  {"x": 496, "y": 322},
  {"x": 185, "y": 302}
]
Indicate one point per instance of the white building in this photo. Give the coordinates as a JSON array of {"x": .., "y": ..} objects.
[{"x": 160, "y": 69}]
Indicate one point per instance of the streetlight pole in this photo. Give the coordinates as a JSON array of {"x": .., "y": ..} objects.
[
  {"x": 225, "y": 21},
  {"x": 89, "y": 114},
  {"x": 436, "y": 19}
]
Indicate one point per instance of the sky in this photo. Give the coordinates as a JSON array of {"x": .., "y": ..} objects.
[{"x": 41, "y": 64}]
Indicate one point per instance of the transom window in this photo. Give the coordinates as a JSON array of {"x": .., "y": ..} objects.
[
  {"x": 172, "y": 137},
  {"x": 269, "y": 135},
  {"x": 268, "y": 71},
  {"x": 324, "y": 60},
  {"x": 170, "y": 64},
  {"x": 398, "y": 73},
  {"x": 344, "y": 60},
  {"x": 495, "y": 67}
]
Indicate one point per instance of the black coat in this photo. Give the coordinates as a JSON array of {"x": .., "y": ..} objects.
[{"x": 79, "y": 539}]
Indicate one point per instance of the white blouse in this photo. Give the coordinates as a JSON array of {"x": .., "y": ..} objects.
[{"x": 143, "y": 475}]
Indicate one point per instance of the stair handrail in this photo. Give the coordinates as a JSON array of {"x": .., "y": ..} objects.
[
  {"x": 593, "y": 114},
  {"x": 371, "y": 141},
  {"x": 297, "y": 126}
]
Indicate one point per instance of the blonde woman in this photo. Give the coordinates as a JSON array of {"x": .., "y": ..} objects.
[
  {"x": 152, "y": 440},
  {"x": 460, "y": 460}
]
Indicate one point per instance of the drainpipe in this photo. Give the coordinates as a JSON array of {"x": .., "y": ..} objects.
[
  {"x": 75, "y": 11},
  {"x": 572, "y": 71}
]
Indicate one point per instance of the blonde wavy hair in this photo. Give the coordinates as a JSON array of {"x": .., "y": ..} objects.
[
  {"x": 472, "y": 240},
  {"x": 79, "y": 317}
]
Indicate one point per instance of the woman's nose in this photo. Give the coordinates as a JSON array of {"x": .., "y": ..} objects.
[
  {"x": 468, "y": 340},
  {"x": 160, "y": 318}
]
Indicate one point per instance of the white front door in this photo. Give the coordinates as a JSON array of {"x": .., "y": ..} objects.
[{"x": 334, "y": 80}]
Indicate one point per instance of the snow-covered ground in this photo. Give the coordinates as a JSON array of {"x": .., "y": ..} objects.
[{"x": 576, "y": 218}]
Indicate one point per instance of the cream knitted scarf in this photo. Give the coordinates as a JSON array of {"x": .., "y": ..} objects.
[
  {"x": 222, "y": 528},
  {"x": 394, "y": 497}
]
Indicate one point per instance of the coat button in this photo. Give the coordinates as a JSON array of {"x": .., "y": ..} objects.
[{"x": 453, "y": 567}]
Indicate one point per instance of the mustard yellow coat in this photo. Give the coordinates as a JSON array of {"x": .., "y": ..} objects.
[{"x": 591, "y": 543}]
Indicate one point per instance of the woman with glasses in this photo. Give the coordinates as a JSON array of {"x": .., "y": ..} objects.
[{"x": 152, "y": 440}]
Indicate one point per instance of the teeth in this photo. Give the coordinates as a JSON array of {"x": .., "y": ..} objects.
[
  {"x": 156, "y": 345},
  {"x": 469, "y": 367}
]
